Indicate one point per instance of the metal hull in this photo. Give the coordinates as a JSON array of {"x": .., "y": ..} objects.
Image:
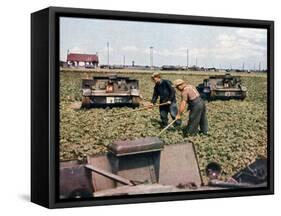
[
  {"x": 110, "y": 101},
  {"x": 223, "y": 87},
  {"x": 226, "y": 94},
  {"x": 110, "y": 91},
  {"x": 175, "y": 168}
]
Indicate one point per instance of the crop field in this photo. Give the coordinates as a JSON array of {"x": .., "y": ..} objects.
[{"x": 237, "y": 129}]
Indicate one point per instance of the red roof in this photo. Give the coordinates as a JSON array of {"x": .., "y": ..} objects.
[{"x": 82, "y": 57}]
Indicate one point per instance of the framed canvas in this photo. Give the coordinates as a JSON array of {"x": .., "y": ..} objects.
[{"x": 134, "y": 107}]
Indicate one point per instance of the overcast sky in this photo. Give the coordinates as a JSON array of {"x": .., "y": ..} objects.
[{"x": 213, "y": 46}]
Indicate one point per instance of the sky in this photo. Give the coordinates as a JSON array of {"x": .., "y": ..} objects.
[{"x": 212, "y": 46}]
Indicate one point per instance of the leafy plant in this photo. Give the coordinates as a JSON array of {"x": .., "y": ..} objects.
[{"x": 237, "y": 129}]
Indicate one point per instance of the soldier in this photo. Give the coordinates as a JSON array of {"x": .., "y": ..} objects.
[
  {"x": 166, "y": 92},
  {"x": 197, "y": 114}
]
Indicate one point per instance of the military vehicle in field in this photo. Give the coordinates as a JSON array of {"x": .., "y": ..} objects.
[
  {"x": 222, "y": 87},
  {"x": 110, "y": 91}
]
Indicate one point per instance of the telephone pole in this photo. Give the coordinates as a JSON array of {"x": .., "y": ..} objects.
[
  {"x": 107, "y": 54},
  {"x": 187, "y": 59},
  {"x": 151, "y": 56}
]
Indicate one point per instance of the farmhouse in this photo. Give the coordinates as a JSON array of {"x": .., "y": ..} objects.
[{"x": 82, "y": 60}]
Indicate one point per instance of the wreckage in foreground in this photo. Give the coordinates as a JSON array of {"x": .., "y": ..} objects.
[{"x": 145, "y": 166}]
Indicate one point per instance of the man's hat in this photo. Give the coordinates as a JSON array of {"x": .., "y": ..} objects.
[
  {"x": 155, "y": 74},
  {"x": 178, "y": 82}
]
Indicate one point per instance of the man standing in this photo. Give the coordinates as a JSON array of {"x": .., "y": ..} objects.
[
  {"x": 166, "y": 92},
  {"x": 197, "y": 107}
]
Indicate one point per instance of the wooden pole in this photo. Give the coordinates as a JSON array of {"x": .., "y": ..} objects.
[
  {"x": 109, "y": 175},
  {"x": 136, "y": 110},
  {"x": 169, "y": 125}
]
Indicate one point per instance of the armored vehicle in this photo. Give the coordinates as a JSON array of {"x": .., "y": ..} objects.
[
  {"x": 110, "y": 91},
  {"x": 130, "y": 167},
  {"x": 222, "y": 87},
  {"x": 146, "y": 166}
]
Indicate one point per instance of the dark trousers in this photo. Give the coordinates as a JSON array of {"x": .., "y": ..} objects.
[
  {"x": 197, "y": 117},
  {"x": 173, "y": 110}
]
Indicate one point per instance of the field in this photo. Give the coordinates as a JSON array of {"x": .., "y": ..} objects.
[{"x": 237, "y": 129}]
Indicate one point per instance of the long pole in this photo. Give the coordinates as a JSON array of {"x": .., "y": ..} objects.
[
  {"x": 151, "y": 56},
  {"x": 187, "y": 59},
  {"x": 108, "y": 54},
  {"x": 169, "y": 125},
  {"x": 109, "y": 175},
  {"x": 136, "y": 110}
]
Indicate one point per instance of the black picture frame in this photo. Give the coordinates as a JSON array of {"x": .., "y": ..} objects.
[{"x": 45, "y": 105}]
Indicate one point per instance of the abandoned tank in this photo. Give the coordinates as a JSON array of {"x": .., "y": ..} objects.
[
  {"x": 147, "y": 166},
  {"x": 222, "y": 87},
  {"x": 110, "y": 91}
]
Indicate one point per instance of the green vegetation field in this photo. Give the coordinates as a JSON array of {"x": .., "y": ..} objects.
[{"x": 237, "y": 135}]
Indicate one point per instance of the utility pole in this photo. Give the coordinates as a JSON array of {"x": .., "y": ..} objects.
[
  {"x": 151, "y": 56},
  {"x": 196, "y": 62},
  {"x": 243, "y": 66},
  {"x": 67, "y": 54},
  {"x": 259, "y": 66},
  {"x": 108, "y": 54},
  {"x": 124, "y": 61},
  {"x": 187, "y": 59}
]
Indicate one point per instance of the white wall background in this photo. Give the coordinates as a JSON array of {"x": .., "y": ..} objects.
[{"x": 15, "y": 107}]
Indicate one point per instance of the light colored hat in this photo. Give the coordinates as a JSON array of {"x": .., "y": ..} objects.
[
  {"x": 178, "y": 82},
  {"x": 155, "y": 74}
]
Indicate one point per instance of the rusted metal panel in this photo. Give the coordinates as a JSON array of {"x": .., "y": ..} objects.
[
  {"x": 140, "y": 168},
  {"x": 139, "y": 189},
  {"x": 100, "y": 182},
  {"x": 137, "y": 160},
  {"x": 69, "y": 163},
  {"x": 179, "y": 166},
  {"x": 148, "y": 189},
  {"x": 75, "y": 180},
  {"x": 141, "y": 145}
]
